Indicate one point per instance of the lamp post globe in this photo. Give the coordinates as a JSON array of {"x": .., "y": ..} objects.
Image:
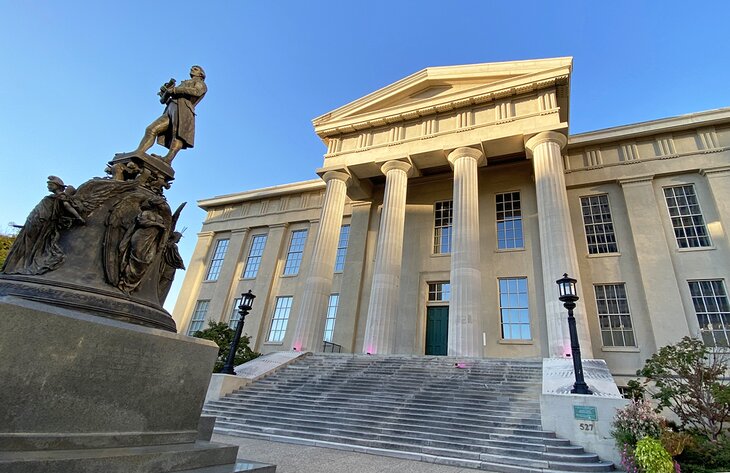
[
  {"x": 568, "y": 295},
  {"x": 243, "y": 309}
]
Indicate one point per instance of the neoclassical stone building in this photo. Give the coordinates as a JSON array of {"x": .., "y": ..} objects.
[{"x": 448, "y": 204}]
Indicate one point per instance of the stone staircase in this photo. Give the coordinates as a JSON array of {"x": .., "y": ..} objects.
[{"x": 482, "y": 414}]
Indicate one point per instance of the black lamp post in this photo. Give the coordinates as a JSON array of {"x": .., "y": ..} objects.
[
  {"x": 243, "y": 309},
  {"x": 568, "y": 296}
]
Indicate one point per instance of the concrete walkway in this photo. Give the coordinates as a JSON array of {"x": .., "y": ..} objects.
[{"x": 293, "y": 458}]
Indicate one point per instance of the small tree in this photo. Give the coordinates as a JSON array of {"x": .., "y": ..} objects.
[
  {"x": 222, "y": 335},
  {"x": 689, "y": 379}
]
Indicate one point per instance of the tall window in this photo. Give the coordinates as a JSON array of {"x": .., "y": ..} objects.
[
  {"x": 513, "y": 309},
  {"x": 509, "y": 221},
  {"x": 201, "y": 310},
  {"x": 329, "y": 324},
  {"x": 215, "y": 264},
  {"x": 709, "y": 298},
  {"x": 235, "y": 315},
  {"x": 342, "y": 248},
  {"x": 443, "y": 215},
  {"x": 296, "y": 249},
  {"x": 598, "y": 224},
  {"x": 280, "y": 318},
  {"x": 687, "y": 220},
  {"x": 254, "y": 256},
  {"x": 439, "y": 291},
  {"x": 614, "y": 316}
]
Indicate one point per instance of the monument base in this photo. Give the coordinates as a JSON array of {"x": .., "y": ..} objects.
[{"x": 86, "y": 394}]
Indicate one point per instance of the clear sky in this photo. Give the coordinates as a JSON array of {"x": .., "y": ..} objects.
[{"x": 81, "y": 77}]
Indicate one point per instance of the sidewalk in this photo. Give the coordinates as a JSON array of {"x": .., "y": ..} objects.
[{"x": 293, "y": 458}]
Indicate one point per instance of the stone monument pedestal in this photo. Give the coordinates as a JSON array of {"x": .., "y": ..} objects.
[{"x": 82, "y": 393}]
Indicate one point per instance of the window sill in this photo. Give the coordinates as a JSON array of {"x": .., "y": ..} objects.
[
  {"x": 247, "y": 279},
  {"x": 621, "y": 349},
  {"x": 289, "y": 275},
  {"x": 274, "y": 343},
  {"x": 515, "y": 341},
  {"x": 696, "y": 248},
  {"x": 603, "y": 255},
  {"x": 210, "y": 281},
  {"x": 440, "y": 255},
  {"x": 508, "y": 250}
]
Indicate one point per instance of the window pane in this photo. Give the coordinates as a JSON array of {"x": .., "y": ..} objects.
[
  {"x": 254, "y": 256},
  {"x": 342, "y": 248},
  {"x": 443, "y": 214},
  {"x": 217, "y": 261},
  {"x": 613, "y": 315},
  {"x": 296, "y": 250},
  {"x": 509, "y": 221},
  {"x": 199, "y": 313},
  {"x": 710, "y": 301},
  {"x": 513, "y": 309},
  {"x": 689, "y": 230},
  {"x": 598, "y": 224},
  {"x": 280, "y": 319},
  {"x": 329, "y": 327}
]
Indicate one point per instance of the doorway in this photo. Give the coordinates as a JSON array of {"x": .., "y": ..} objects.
[{"x": 437, "y": 330}]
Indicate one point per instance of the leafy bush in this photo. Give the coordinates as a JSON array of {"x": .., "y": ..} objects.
[
  {"x": 223, "y": 335},
  {"x": 688, "y": 378},
  {"x": 6, "y": 241},
  {"x": 651, "y": 456},
  {"x": 634, "y": 422},
  {"x": 705, "y": 456}
]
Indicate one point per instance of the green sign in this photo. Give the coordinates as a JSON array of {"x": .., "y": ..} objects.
[{"x": 585, "y": 413}]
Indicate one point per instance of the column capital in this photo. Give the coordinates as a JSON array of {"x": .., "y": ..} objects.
[
  {"x": 400, "y": 165},
  {"x": 339, "y": 175},
  {"x": 540, "y": 138},
  {"x": 466, "y": 152}
]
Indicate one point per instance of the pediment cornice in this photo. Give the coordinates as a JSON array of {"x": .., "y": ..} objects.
[{"x": 457, "y": 87}]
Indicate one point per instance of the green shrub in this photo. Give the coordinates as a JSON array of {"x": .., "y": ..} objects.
[
  {"x": 705, "y": 456},
  {"x": 223, "y": 335},
  {"x": 651, "y": 456}
]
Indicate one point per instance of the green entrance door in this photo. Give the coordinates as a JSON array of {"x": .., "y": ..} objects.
[{"x": 437, "y": 330}]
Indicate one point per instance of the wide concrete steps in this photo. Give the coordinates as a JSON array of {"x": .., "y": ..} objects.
[{"x": 484, "y": 414}]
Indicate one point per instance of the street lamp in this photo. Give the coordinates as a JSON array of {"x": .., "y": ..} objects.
[
  {"x": 243, "y": 310},
  {"x": 569, "y": 296}
]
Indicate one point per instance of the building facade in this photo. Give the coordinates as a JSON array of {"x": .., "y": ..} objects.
[{"x": 448, "y": 205}]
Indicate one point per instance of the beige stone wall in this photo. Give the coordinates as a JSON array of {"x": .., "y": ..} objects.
[{"x": 420, "y": 121}]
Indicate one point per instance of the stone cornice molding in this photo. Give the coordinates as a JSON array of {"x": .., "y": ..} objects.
[
  {"x": 440, "y": 108},
  {"x": 540, "y": 138},
  {"x": 635, "y": 180},
  {"x": 264, "y": 193},
  {"x": 206, "y": 234},
  {"x": 719, "y": 171},
  {"x": 339, "y": 175},
  {"x": 240, "y": 230},
  {"x": 466, "y": 152},
  {"x": 653, "y": 127},
  {"x": 395, "y": 164},
  {"x": 283, "y": 225}
]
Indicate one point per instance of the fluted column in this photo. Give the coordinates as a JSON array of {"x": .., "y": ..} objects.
[
  {"x": 557, "y": 246},
  {"x": 318, "y": 283},
  {"x": 383, "y": 305},
  {"x": 465, "y": 324}
]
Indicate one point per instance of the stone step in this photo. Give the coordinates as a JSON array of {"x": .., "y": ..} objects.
[
  {"x": 486, "y": 416},
  {"x": 363, "y": 412},
  {"x": 509, "y": 458}
]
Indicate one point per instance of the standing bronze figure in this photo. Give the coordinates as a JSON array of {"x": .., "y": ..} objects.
[{"x": 175, "y": 129}]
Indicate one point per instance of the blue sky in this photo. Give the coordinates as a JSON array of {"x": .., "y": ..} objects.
[{"x": 81, "y": 77}]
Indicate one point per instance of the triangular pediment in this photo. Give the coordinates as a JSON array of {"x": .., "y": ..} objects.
[{"x": 441, "y": 87}]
